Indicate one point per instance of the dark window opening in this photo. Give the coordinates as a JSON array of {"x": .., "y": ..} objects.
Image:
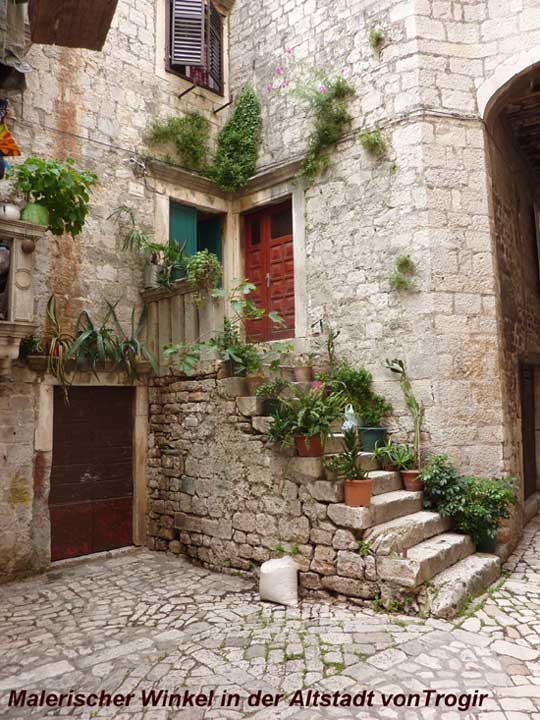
[
  {"x": 195, "y": 230},
  {"x": 195, "y": 43}
]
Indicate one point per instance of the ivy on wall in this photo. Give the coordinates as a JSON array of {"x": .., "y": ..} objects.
[{"x": 238, "y": 144}]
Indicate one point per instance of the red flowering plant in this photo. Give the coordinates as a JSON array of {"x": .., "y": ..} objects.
[{"x": 327, "y": 98}]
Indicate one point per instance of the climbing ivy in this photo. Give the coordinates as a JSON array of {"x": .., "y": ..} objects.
[
  {"x": 238, "y": 144},
  {"x": 190, "y": 135}
]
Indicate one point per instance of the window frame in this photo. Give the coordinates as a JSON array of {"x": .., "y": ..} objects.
[{"x": 176, "y": 69}]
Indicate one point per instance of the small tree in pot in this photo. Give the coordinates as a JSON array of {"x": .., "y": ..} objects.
[{"x": 357, "y": 486}]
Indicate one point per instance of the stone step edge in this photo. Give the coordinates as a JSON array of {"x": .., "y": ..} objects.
[
  {"x": 425, "y": 560},
  {"x": 453, "y": 588},
  {"x": 393, "y": 535}
]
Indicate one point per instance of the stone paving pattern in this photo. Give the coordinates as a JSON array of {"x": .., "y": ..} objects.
[{"x": 143, "y": 620}]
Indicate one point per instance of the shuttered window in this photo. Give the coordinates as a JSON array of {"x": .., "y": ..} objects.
[{"x": 195, "y": 42}]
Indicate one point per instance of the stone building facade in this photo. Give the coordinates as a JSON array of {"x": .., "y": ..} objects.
[{"x": 439, "y": 89}]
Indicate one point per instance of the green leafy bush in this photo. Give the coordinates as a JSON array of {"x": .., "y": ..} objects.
[
  {"x": 273, "y": 389},
  {"x": 376, "y": 39},
  {"x": 190, "y": 135},
  {"x": 60, "y": 187},
  {"x": 403, "y": 274},
  {"x": 238, "y": 144},
  {"x": 444, "y": 490},
  {"x": 403, "y": 457},
  {"x": 487, "y": 501}
]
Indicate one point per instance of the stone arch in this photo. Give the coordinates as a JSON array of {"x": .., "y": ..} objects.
[{"x": 503, "y": 77}]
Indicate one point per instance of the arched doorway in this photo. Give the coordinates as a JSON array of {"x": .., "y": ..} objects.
[{"x": 513, "y": 142}]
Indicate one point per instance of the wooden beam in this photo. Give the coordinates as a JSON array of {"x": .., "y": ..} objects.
[{"x": 71, "y": 23}]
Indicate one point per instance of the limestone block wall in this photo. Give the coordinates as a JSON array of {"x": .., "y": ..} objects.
[
  {"x": 94, "y": 107},
  {"x": 221, "y": 496},
  {"x": 439, "y": 65}
]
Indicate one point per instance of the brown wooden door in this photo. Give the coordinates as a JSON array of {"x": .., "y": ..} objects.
[
  {"x": 270, "y": 267},
  {"x": 528, "y": 429},
  {"x": 91, "y": 498}
]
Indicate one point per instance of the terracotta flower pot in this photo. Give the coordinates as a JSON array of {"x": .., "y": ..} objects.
[
  {"x": 358, "y": 492},
  {"x": 311, "y": 446},
  {"x": 303, "y": 374},
  {"x": 411, "y": 480}
]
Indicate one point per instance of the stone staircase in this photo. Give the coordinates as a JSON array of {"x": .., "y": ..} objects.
[{"x": 415, "y": 560}]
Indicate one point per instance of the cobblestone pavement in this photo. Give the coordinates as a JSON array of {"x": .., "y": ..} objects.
[{"x": 143, "y": 621}]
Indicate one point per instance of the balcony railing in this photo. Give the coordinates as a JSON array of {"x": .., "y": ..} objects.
[
  {"x": 19, "y": 318},
  {"x": 175, "y": 316}
]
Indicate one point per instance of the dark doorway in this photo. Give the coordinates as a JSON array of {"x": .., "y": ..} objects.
[
  {"x": 528, "y": 423},
  {"x": 91, "y": 498}
]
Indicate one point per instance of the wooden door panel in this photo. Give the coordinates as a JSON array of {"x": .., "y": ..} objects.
[
  {"x": 91, "y": 476},
  {"x": 112, "y": 524},
  {"x": 270, "y": 266},
  {"x": 71, "y": 530}
]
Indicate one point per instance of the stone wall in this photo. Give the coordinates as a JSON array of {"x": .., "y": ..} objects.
[
  {"x": 220, "y": 495},
  {"x": 94, "y": 107}
]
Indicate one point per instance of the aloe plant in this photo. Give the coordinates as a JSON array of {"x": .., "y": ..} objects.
[{"x": 130, "y": 349}]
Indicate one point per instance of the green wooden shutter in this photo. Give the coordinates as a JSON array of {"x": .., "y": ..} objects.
[
  {"x": 183, "y": 227},
  {"x": 210, "y": 236}
]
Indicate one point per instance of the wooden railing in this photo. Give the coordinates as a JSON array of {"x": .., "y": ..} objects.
[{"x": 175, "y": 316}]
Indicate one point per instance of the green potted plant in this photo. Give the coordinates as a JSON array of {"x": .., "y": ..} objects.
[
  {"x": 94, "y": 344},
  {"x": 59, "y": 192},
  {"x": 488, "y": 500},
  {"x": 356, "y": 485},
  {"x": 203, "y": 273},
  {"x": 270, "y": 393},
  {"x": 444, "y": 489},
  {"x": 303, "y": 368},
  {"x": 310, "y": 415},
  {"x": 404, "y": 461},
  {"x": 384, "y": 454},
  {"x": 373, "y": 410},
  {"x": 414, "y": 406}
]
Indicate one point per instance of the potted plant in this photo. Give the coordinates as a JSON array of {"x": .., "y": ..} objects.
[
  {"x": 357, "y": 486},
  {"x": 488, "y": 500},
  {"x": 404, "y": 461},
  {"x": 93, "y": 345},
  {"x": 270, "y": 393},
  {"x": 414, "y": 406},
  {"x": 384, "y": 454},
  {"x": 59, "y": 193},
  {"x": 203, "y": 273},
  {"x": 373, "y": 410},
  {"x": 309, "y": 416},
  {"x": 303, "y": 369}
]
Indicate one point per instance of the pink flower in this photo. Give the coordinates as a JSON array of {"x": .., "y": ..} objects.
[
  {"x": 279, "y": 70},
  {"x": 289, "y": 51},
  {"x": 269, "y": 87},
  {"x": 323, "y": 90},
  {"x": 285, "y": 84}
]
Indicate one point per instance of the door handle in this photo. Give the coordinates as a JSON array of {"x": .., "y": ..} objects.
[{"x": 268, "y": 280}]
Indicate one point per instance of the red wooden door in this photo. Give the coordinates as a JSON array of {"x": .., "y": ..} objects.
[
  {"x": 91, "y": 498},
  {"x": 270, "y": 267}
]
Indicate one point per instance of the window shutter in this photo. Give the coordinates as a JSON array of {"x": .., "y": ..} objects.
[
  {"x": 187, "y": 32},
  {"x": 215, "y": 48}
]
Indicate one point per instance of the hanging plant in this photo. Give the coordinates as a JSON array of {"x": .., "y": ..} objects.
[
  {"x": 203, "y": 272},
  {"x": 60, "y": 187},
  {"x": 238, "y": 144},
  {"x": 190, "y": 136},
  {"x": 327, "y": 99}
]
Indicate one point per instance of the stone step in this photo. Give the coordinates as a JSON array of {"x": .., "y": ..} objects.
[
  {"x": 404, "y": 532},
  {"x": 331, "y": 491},
  {"x": 454, "y": 587},
  {"x": 425, "y": 560},
  {"x": 383, "y": 508}
]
